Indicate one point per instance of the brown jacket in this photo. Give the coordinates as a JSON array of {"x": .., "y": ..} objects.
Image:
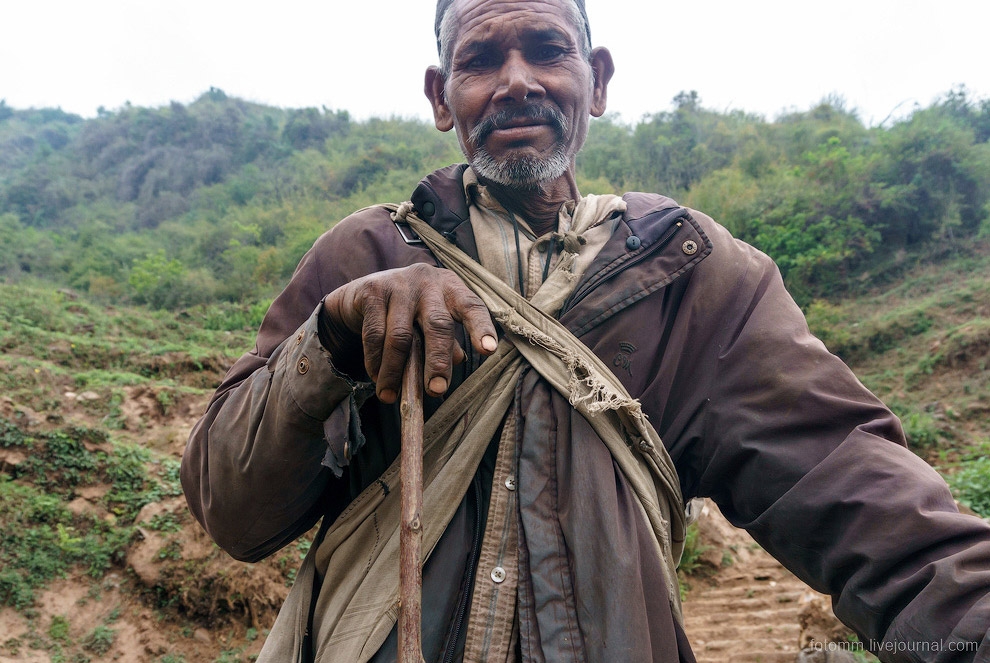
[{"x": 754, "y": 411}]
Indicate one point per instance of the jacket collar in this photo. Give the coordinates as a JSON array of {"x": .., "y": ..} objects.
[
  {"x": 440, "y": 201},
  {"x": 653, "y": 225}
]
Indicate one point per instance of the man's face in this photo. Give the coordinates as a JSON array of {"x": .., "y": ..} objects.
[{"x": 519, "y": 91}]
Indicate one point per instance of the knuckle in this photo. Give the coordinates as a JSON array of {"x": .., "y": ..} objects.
[
  {"x": 452, "y": 284},
  {"x": 439, "y": 323},
  {"x": 476, "y": 315},
  {"x": 476, "y": 307},
  {"x": 421, "y": 271},
  {"x": 370, "y": 289},
  {"x": 400, "y": 338},
  {"x": 373, "y": 331},
  {"x": 439, "y": 360}
]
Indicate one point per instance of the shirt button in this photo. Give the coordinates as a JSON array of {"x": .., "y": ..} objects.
[
  {"x": 303, "y": 366},
  {"x": 633, "y": 243},
  {"x": 498, "y": 574},
  {"x": 689, "y": 247},
  {"x": 429, "y": 209},
  {"x": 510, "y": 483}
]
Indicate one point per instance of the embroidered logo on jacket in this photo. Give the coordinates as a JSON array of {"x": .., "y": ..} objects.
[{"x": 622, "y": 359}]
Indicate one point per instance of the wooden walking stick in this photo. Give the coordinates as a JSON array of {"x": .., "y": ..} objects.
[{"x": 411, "y": 500}]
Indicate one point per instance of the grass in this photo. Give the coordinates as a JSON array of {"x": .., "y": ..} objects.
[
  {"x": 51, "y": 337},
  {"x": 41, "y": 539},
  {"x": 921, "y": 344}
]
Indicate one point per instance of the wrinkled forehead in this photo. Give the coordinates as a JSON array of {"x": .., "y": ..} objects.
[{"x": 444, "y": 5}]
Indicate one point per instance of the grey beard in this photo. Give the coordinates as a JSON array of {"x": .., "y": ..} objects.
[{"x": 522, "y": 172}]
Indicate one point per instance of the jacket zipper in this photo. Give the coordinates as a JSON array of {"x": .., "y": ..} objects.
[
  {"x": 464, "y": 603},
  {"x": 595, "y": 282}
]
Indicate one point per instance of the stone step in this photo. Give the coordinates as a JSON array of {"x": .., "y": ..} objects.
[
  {"x": 737, "y": 656},
  {"x": 752, "y": 634},
  {"x": 749, "y": 607}
]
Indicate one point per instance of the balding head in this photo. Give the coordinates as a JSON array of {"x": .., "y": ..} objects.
[{"x": 445, "y": 28}]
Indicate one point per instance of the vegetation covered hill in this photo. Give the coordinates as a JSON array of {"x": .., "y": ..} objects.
[
  {"x": 218, "y": 199},
  {"x": 139, "y": 249}
]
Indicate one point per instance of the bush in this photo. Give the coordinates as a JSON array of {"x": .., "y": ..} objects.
[
  {"x": 162, "y": 283},
  {"x": 971, "y": 485},
  {"x": 691, "y": 562},
  {"x": 100, "y": 640},
  {"x": 920, "y": 430}
]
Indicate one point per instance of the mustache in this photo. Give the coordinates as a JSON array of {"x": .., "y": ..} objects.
[{"x": 499, "y": 119}]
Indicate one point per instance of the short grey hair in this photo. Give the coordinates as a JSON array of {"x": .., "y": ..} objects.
[{"x": 446, "y": 32}]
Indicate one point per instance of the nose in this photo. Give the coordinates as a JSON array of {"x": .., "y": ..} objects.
[{"x": 518, "y": 80}]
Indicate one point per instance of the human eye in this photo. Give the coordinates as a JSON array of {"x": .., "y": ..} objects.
[
  {"x": 477, "y": 60},
  {"x": 547, "y": 53},
  {"x": 482, "y": 61}
]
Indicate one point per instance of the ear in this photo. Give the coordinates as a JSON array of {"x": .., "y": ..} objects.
[
  {"x": 436, "y": 92},
  {"x": 603, "y": 68}
]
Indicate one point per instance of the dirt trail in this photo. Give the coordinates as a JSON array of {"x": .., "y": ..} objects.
[{"x": 751, "y": 608}]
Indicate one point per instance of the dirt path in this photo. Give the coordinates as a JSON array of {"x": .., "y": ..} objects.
[{"x": 750, "y": 609}]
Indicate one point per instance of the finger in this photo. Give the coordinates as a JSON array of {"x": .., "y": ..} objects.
[
  {"x": 440, "y": 345},
  {"x": 395, "y": 346},
  {"x": 341, "y": 306},
  {"x": 468, "y": 309},
  {"x": 372, "y": 309},
  {"x": 459, "y": 354}
]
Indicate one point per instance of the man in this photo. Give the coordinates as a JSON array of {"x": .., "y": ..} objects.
[{"x": 552, "y": 515}]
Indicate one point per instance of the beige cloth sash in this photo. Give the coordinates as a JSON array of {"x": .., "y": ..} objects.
[{"x": 358, "y": 556}]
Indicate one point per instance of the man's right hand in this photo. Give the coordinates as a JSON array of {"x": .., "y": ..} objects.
[{"x": 386, "y": 308}]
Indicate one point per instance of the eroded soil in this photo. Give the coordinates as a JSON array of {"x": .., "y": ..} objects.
[{"x": 179, "y": 598}]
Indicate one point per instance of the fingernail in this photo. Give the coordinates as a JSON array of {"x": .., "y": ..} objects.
[
  {"x": 489, "y": 343},
  {"x": 438, "y": 385},
  {"x": 387, "y": 395}
]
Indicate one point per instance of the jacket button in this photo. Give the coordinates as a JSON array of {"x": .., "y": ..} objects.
[
  {"x": 690, "y": 247},
  {"x": 303, "y": 366},
  {"x": 498, "y": 574},
  {"x": 633, "y": 243},
  {"x": 429, "y": 209},
  {"x": 510, "y": 483}
]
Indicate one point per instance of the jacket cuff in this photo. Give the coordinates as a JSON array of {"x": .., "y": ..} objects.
[{"x": 313, "y": 382}]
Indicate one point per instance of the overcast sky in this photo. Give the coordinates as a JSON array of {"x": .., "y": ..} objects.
[{"x": 769, "y": 56}]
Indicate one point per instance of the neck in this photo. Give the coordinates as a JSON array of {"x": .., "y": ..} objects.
[{"x": 539, "y": 206}]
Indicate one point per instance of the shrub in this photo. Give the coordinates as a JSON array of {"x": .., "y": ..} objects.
[
  {"x": 691, "y": 562},
  {"x": 920, "y": 430},
  {"x": 100, "y": 640},
  {"x": 59, "y": 628},
  {"x": 971, "y": 485}
]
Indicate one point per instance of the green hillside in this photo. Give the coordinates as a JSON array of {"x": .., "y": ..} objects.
[{"x": 217, "y": 200}]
